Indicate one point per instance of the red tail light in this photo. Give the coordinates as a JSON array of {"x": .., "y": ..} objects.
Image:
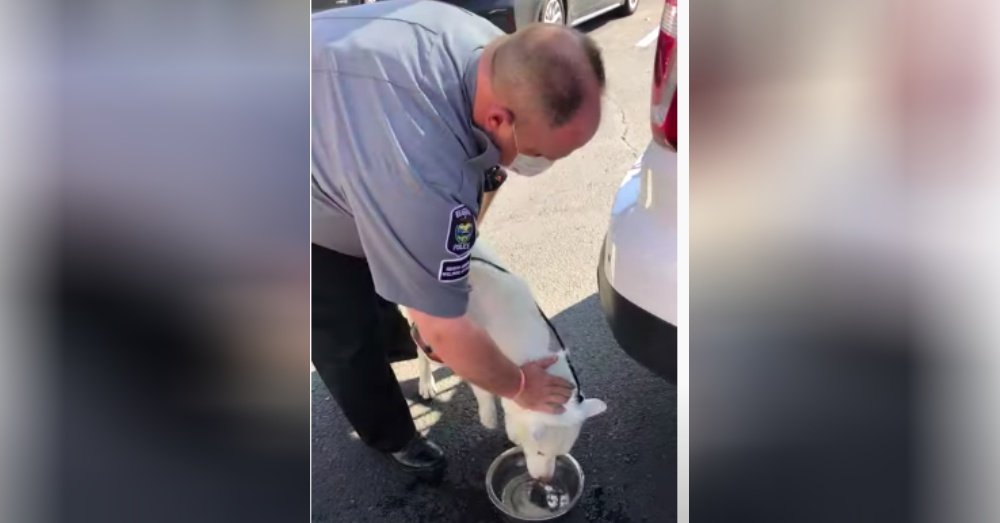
[{"x": 663, "y": 110}]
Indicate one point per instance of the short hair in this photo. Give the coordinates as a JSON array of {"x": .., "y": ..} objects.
[{"x": 542, "y": 66}]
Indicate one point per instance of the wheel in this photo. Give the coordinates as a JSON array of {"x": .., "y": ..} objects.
[
  {"x": 553, "y": 12},
  {"x": 628, "y": 7}
]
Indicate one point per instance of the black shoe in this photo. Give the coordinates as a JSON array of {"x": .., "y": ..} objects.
[{"x": 421, "y": 457}]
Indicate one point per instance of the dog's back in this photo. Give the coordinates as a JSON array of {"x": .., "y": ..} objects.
[{"x": 502, "y": 304}]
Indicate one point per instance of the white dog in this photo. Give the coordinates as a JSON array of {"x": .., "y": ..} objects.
[{"x": 502, "y": 304}]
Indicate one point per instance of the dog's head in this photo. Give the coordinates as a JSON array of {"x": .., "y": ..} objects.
[{"x": 547, "y": 437}]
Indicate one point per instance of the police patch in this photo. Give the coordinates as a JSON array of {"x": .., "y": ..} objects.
[
  {"x": 454, "y": 270},
  {"x": 461, "y": 231}
]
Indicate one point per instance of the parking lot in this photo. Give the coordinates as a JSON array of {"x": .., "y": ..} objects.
[{"x": 549, "y": 230}]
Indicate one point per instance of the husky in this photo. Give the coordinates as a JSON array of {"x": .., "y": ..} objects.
[{"x": 501, "y": 303}]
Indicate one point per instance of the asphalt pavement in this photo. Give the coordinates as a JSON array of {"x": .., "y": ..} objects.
[{"x": 548, "y": 229}]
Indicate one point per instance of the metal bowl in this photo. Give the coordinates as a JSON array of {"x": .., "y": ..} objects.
[{"x": 508, "y": 477}]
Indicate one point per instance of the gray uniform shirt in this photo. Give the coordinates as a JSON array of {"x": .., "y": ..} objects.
[{"x": 397, "y": 164}]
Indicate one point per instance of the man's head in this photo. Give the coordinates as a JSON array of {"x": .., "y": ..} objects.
[
  {"x": 543, "y": 442},
  {"x": 539, "y": 92}
]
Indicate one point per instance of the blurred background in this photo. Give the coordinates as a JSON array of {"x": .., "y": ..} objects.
[
  {"x": 843, "y": 283},
  {"x": 154, "y": 277}
]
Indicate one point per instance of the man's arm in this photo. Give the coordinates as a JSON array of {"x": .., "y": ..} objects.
[{"x": 469, "y": 351}]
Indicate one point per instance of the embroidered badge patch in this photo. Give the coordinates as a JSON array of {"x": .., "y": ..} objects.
[
  {"x": 461, "y": 231},
  {"x": 454, "y": 270}
]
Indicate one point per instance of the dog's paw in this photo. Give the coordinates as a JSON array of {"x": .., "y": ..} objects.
[{"x": 427, "y": 390}]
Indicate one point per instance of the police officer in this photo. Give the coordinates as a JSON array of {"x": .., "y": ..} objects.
[{"x": 414, "y": 105}]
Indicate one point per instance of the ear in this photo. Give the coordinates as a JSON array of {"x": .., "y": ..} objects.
[
  {"x": 495, "y": 117},
  {"x": 592, "y": 407}
]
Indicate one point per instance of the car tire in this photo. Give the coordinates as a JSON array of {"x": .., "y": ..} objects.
[
  {"x": 553, "y": 12},
  {"x": 628, "y": 7}
]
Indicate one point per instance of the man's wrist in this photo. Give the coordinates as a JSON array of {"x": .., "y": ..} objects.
[
  {"x": 520, "y": 387},
  {"x": 516, "y": 386}
]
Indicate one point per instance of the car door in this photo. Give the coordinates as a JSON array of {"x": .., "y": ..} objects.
[{"x": 581, "y": 8}]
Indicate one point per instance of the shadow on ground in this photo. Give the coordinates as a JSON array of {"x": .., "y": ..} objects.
[{"x": 628, "y": 454}]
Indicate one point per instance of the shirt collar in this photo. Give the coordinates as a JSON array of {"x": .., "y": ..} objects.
[{"x": 489, "y": 155}]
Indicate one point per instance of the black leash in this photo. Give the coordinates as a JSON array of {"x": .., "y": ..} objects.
[{"x": 579, "y": 393}]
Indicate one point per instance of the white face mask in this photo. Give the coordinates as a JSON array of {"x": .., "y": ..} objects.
[{"x": 528, "y": 165}]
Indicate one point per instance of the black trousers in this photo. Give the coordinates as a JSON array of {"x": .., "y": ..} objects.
[{"x": 354, "y": 332}]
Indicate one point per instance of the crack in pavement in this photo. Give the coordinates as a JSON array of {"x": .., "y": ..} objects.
[{"x": 624, "y": 134}]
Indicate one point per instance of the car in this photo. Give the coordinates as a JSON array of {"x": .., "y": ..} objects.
[
  {"x": 637, "y": 270},
  {"x": 323, "y": 5},
  {"x": 509, "y": 15}
]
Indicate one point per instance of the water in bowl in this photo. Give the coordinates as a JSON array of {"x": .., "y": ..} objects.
[{"x": 528, "y": 498}]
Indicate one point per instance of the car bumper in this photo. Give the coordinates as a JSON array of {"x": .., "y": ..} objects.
[
  {"x": 637, "y": 272},
  {"x": 646, "y": 338}
]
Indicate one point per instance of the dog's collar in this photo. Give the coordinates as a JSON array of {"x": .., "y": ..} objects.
[{"x": 579, "y": 393}]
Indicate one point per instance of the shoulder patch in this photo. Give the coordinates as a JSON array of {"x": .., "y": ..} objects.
[
  {"x": 454, "y": 270},
  {"x": 461, "y": 231}
]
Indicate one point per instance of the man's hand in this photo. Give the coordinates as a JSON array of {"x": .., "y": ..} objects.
[
  {"x": 469, "y": 351},
  {"x": 542, "y": 391}
]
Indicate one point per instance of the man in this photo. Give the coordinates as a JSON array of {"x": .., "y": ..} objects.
[{"x": 415, "y": 104}]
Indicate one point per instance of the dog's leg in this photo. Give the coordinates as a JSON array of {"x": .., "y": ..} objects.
[
  {"x": 427, "y": 387},
  {"x": 487, "y": 407}
]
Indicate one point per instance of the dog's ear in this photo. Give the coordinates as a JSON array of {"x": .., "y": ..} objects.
[{"x": 592, "y": 407}]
